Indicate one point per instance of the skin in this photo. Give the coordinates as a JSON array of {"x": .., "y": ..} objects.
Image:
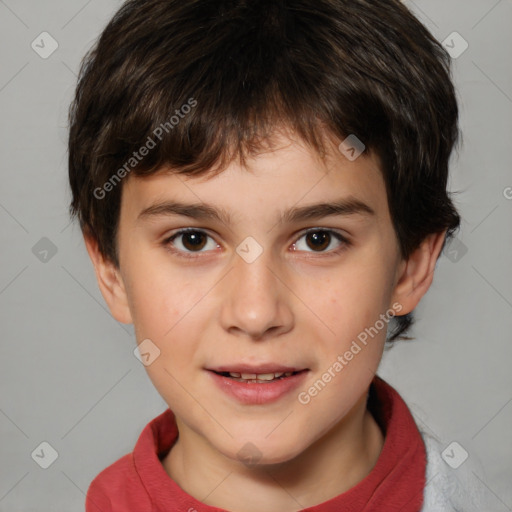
[{"x": 295, "y": 304}]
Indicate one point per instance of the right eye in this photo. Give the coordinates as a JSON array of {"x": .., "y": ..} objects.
[{"x": 188, "y": 241}]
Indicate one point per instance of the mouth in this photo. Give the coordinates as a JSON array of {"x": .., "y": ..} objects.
[
  {"x": 258, "y": 378},
  {"x": 260, "y": 385}
]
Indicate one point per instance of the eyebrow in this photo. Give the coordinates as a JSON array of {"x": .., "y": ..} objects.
[{"x": 346, "y": 206}]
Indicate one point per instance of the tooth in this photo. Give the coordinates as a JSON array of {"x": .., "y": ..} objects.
[
  {"x": 266, "y": 376},
  {"x": 248, "y": 376},
  {"x": 276, "y": 375},
  {"x": 235, "y": 375},
  {"x": 287, "y": 374}
]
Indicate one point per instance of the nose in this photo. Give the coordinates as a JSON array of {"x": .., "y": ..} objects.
[{"x": 256, "y": 300}]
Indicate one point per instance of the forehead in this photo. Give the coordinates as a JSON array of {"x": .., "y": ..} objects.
[{"x": 270, "y": 183}]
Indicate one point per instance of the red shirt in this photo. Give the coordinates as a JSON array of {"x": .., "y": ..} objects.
[{"x": 138, "y": 481}]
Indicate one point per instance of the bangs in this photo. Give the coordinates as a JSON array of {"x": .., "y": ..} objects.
[{"x": 221, "y": 93}]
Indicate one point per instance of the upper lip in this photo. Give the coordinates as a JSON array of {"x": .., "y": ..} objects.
[{"x": 258, "y": 369}]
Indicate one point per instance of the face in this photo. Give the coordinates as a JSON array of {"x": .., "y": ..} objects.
[{"x": 268, "y": 284}]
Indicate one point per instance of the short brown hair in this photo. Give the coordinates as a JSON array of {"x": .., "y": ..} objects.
[{"x": 339, "y": 66}]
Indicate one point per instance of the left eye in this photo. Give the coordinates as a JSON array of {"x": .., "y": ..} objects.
[{"x": 321, "y": 239}]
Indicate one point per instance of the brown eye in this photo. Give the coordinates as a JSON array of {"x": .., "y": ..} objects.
[
  {"x": 325, "y": 241},
  {"x": 188, "y": 241},
  {"x": 194, "y": 240},
  {"x": 318, "y": 240}
]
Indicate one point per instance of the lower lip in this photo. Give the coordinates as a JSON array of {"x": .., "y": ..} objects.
[{"x": 258, "y": 394}]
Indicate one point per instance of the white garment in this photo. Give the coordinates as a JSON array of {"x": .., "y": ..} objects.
[{"x": 453, "y": 490}]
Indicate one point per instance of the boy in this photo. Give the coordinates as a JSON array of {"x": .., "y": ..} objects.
[{"x": 262, "y": 191}]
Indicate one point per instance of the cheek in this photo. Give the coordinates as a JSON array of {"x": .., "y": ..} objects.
[
  {"x": 169, "y": 307},
  {"x": 173, "y": 322},
  {"x": 354, "y": 302},
  {"x": 351, "y": 307},
  {"x": 162, "y": 300}
]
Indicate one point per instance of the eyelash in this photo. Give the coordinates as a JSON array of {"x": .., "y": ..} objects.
[{"x": 167, "y": 243}]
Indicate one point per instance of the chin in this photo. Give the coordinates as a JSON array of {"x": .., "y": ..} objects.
[{"x": 262, "y": 451}]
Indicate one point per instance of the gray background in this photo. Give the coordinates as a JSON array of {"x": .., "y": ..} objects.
[{"x": 67, "y": 369}]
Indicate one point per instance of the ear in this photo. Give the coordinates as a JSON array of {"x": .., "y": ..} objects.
[
  {"x": 416, "y": 274},
  {"x": 110, "y": 282}
]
